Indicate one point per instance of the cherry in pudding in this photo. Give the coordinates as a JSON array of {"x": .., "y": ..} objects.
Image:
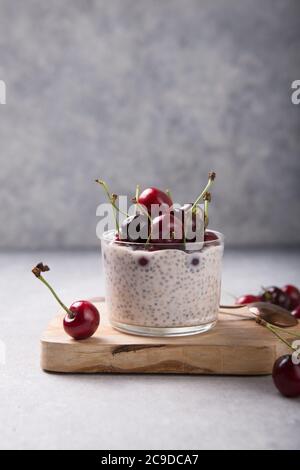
[
  {"x": 193, "y": 217},
  {"x": 210, "y": 236},
  {"x": 82, "y": 319},
  {"x": 155, "y": 197},
  {"x": 143, "y": 261},
  {"x": 135, "y": 229},
  {"x": 167, "y": 229},
  {"x": 193, "y": 222}
]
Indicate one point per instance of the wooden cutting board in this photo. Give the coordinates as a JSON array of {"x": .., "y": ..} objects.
[{"x": 234, "y": 347}]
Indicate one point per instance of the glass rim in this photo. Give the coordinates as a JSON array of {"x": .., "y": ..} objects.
[{"x": 108, "y": 236}]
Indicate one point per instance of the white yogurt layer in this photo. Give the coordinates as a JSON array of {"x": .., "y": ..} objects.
[{"x": 162, "y": 289}]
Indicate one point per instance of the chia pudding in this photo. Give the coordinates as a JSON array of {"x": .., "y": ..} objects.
[{"x": 164, "y": 292}]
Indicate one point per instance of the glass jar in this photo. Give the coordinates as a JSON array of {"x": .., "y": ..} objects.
[{"x": 162, "y": 289}]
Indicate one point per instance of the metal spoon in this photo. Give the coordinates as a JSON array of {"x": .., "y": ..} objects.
[{"x": 270, "y": 313}]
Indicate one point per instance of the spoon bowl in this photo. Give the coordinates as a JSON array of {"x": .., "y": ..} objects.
[{"x": 273, "y": 314}]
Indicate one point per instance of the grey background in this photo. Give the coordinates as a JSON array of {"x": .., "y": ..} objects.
[
  {"x": 157, "y": 92},
  {"x": 149, "y": 91}
]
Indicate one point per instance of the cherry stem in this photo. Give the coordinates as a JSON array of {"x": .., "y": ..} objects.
[
  {"x": 288, "y": 332},
  {"x": 211, "y": 179},
  {"x": 150, "y": 220},
  {"x": 112, "y": 199},
  {"x": 145, "y": 212},
  {"x": 207, "y": 200},
  {"x": 37, "y": 272},
  {"x": 137, "y": 194},
  {"x": 273, "y": 330}
]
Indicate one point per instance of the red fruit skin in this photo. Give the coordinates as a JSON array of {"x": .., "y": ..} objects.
[
  {"x": 85, "y": 322},
  {"x": 286, "y": 376},
  {"x": 162, "y": 228},
  {"x": 276, "y": 296},
  {"x": 154, "y": 196},
  {"x": 294, "y": 295},
  {"x": 247, "y": 299},
  {"x": 296, "y": 312},
  {"x": 210, "y": 236}
]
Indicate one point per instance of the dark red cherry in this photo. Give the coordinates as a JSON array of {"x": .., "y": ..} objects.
[
  {"x": 247, "y": 299},
  {"x": 167, "y": 229},
  {"x": 193, "y": 222},
  {"x": 135, "y": 229},
  {"x": 276, "y": 296},
  {"x": 83, "y": 321},
  {"x": 296, "y": 312},
  {"x": 154, "y": 196},
  {"x": 293, "y": 293},
  {"x": 143, "y": 261},
  {"x": 82, "y": 318},
  {"x": 210, "y": 236},
  {"x": 286, "y": 376}
]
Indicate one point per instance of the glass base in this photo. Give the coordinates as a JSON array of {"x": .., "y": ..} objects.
[{"x": 162, "y": 332}]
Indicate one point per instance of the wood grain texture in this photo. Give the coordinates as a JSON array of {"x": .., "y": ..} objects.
[{"x": 234, "y": 347}]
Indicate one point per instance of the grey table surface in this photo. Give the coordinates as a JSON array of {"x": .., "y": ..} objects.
[{"x": 51, "y": 411}]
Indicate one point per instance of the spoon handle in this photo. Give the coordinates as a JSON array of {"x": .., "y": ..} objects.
[{"x": 233, "y": 306}]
